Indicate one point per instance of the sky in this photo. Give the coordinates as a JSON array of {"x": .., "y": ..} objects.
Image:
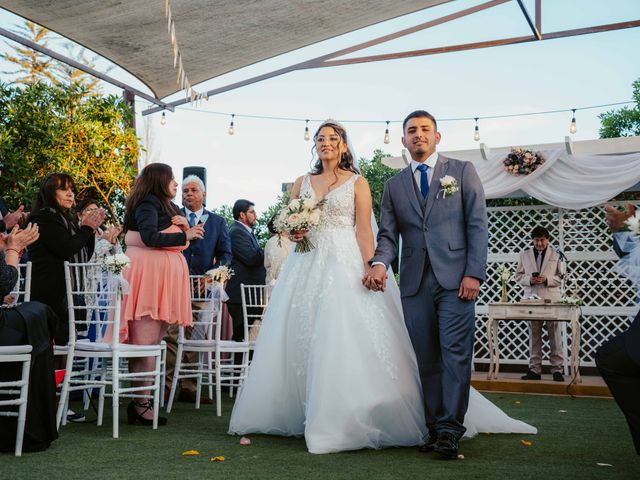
[{"x": 557, "y": 74}]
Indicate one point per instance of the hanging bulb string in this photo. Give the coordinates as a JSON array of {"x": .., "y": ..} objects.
[{"x": 452, "y": 119}]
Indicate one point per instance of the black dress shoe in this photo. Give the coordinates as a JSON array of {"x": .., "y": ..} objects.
[
  {"x": 558, "y": 377},
  {"x": 446, "y": 446},
  {"x": 432, "y": 438},
  {"x": 531, "y": 376}
]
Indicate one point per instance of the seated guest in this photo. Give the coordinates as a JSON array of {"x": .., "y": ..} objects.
[
  {"x": 31, "y": 323},
  {"x": 276, "y": 252},
  {"x": 540, "y": 272}
]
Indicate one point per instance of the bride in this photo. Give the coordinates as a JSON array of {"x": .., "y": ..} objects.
[{"x": 333, "y": 361}]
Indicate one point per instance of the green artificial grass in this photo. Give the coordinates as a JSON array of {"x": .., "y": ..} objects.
[{"x": 569, "y": 444}]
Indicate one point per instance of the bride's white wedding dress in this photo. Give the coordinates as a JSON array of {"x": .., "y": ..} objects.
[{"x": 333, "y": 361}]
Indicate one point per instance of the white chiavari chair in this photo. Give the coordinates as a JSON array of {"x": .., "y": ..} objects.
[
  {"x": 104, "y": 313},
  {"x": 17, "y": 390}
]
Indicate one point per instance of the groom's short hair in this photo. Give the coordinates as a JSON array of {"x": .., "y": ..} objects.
[{"x": 419, "y": 114}]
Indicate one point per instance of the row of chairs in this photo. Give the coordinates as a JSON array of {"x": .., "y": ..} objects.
[{"x": 97, "y": 362}]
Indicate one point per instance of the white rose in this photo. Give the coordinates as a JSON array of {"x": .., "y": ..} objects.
[
  {"x": 295, "y": 220},
  {"x": 447, "y": 180},
  {"x": 314, "y": 217},
  {"x": 308, "y": 204}
]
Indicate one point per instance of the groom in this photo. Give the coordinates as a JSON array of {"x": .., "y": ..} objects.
[{"x": 437, "y": 205}]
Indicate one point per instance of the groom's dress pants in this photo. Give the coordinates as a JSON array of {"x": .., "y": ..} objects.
[{"x": 441, "y": 327}]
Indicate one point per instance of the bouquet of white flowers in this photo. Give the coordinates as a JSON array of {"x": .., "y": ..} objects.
[
  {"x": 301, "y": 214},
  {"x": 220, "y": 274},
  {"x": 115, "y": 263}
]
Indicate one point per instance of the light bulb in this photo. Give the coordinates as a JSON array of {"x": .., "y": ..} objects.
[
  {"x": 307, "y": 135},
  {"x": 163, "y": 119},
  {"x": 387, "y": 138},
  {"x": 231, "y": 130},
  {"x": 573, "y": 128}
]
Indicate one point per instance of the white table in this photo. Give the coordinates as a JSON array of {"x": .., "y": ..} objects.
[{"x": 537, "y": 312}]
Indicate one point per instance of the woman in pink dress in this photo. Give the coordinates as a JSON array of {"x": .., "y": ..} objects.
[{"x": 159, "y": 293}]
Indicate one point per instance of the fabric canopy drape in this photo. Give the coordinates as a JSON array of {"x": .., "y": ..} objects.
[{"x": 564, "y": 180}]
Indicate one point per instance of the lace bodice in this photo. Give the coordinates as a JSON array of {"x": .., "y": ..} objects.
[{"x": 340, "y": 209}]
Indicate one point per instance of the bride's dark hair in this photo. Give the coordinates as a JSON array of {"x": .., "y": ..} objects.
[{"x": 346, "y": 160}]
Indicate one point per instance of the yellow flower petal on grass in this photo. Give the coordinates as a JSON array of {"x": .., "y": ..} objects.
[
  {"x": 526, "y": 443},
  {"x": 217, "y": 459},
  {"x": 190, "y": 453},
  {"x": 517, "y": 402}
]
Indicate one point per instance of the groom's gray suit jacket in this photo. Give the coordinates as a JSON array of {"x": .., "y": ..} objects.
[{"x": 448, "y": 232}]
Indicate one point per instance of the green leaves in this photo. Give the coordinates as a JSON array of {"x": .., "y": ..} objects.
[
  {"x": 46, "y": 128},
  {"x": 624, "y": 122}
]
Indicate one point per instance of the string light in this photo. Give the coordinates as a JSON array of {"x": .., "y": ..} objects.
[
  {"x": 387, "y": 139},
  {"x": 476, "y": 132},
  {"x": 307, "y": 135},
  {"x": 573, "y": 128},
  {"x": 163, "y": 119},
  {"x": 232, "y": 130}
]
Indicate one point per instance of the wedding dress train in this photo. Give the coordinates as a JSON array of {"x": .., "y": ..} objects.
[{"x": 333, "y": 361}]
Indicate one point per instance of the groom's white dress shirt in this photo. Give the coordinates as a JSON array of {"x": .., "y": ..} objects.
[{"x": 429, "y": 162}]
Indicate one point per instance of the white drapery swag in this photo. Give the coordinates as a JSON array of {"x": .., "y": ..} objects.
[{"x": 566, "y": 181}]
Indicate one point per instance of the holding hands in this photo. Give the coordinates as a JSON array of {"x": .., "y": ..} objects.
[{"x": 375, "y": 278}]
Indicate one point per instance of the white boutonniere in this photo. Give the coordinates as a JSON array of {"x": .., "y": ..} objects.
[{"x": 449, "y": 186}]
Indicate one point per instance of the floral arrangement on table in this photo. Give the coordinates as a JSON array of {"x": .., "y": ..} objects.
[
  {"x": 522, "y": 162},
  {"x": 219, "y": 275},
  {"x": 633, "y": 223},
  {"x": 301, "y": 214},
  {"x": 449, "y": 186},
  {"x": 115, "y": 263},
  {"x": 571, "y": 300},
  {"x": 504, "y": 274}
]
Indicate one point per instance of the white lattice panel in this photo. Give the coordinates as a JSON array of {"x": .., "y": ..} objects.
[{"x": 586, "y": 241}]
